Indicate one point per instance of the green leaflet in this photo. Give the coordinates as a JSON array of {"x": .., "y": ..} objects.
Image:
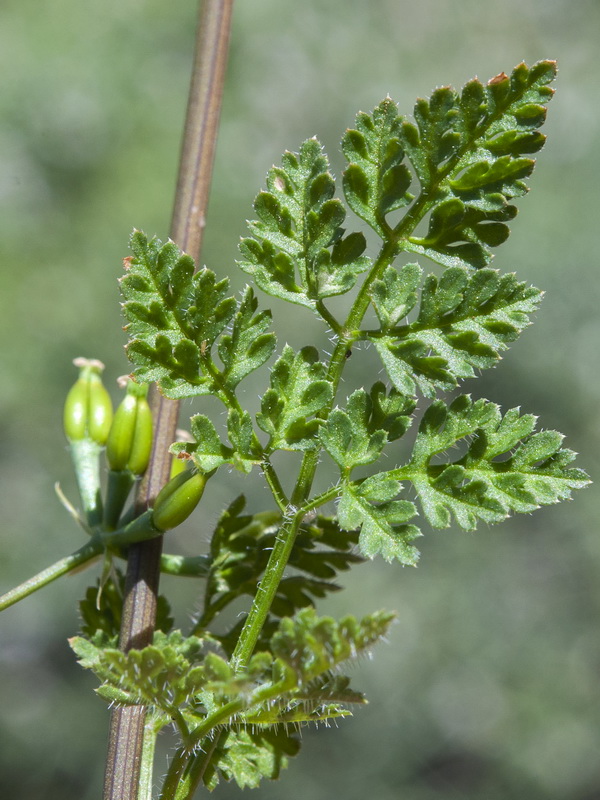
[
  {"x": 357, "y": 434},
  {"x": 376, "y": 181},
  {"x": 506, "y": 468},
  {"x": 298, "y": 252},
  {"x": 298, "y": 390},
  {"x": 175, "y": 316},
  {"x": 471, "y": 155},
  {"x": 383, "y": 521},
  {"x": 249, "y": 345},
  {"x": 246, "y": 755},
  {"x": 313, "y": 645},
  {"x": 161, "y": 675},
  {"x": 465, "y": 320},
  {"x": 347, "y": 436},
  {"x": 209, "y": 453}
]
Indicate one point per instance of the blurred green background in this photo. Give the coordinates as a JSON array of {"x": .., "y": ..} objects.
[{"x": 489, "y": 686}]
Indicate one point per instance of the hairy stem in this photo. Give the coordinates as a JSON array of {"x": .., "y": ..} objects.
[
  {"x": 187, "y": 226},
  {"x": 146, "y": 771},
  {"x": 301, "y": 493},
  {"x": 187, "y": 768},
  {"x": 266, "y": 591},
  {"x": 195, "y": 769}
]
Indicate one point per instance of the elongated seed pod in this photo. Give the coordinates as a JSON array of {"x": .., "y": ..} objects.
[
  {"x": 130, "y": 439},
  {"x": 75, "y": 411},
  {"x": 88, "y": 407},
  {"x": 176, "y": 501},
  {"x": 141, "y": 449}
]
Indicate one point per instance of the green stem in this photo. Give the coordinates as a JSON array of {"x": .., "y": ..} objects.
[
  {"x": 90, "y": 550},
  {"x": 146, "y": 768},
  {"x": 328, "y": 317},
  {"x": 196, "y": 767},
  {"x": 275, "y": 486},
  {"x": 176, "y": 784},
  {"x": 287, "y": 533},
  {"x": 140, "y": 530},
  {"x": 185, "y": 566},
  {"x": 266, "y": 591},
  {"x": 119, "y": 485}
]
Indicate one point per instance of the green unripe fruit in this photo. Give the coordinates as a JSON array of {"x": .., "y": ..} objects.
[
  {"x": 141, "y": 449},
  {"x": 130, "y": 439},
  {"x": 177, "y": 500},
  {"x": 88, "y": 407}
]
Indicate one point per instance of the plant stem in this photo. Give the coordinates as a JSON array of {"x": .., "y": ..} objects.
[
  {"x": 266, "y": 591},
  {"x": 90, "y": 550},
  {"x": 187, "y": 227},
  {"x": 187, "y": 768},
  {"x": 287, "y": 534},
  {"x": 195, "y": 770},
  {"x": 146, "y": 771}
]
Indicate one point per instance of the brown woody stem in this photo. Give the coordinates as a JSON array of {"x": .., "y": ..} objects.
[{"x": 187, "y": 226}]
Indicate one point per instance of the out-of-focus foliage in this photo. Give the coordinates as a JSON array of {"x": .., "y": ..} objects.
[{"x": 490, "y": 684}]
